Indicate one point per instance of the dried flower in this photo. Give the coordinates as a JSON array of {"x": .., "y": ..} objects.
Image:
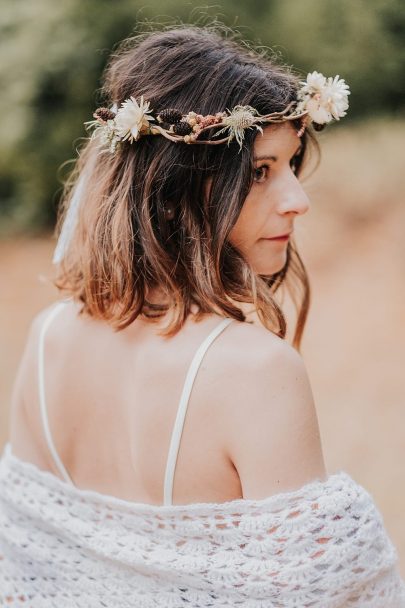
[
  {"x": 133, "y": 119},
  {"x": 323, "y": 98},
  {"x": 239, "y": 119},
  {"x": 105, "y": 131}
]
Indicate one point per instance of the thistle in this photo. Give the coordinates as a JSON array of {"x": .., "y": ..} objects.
[{"x": 239, "y": 119}]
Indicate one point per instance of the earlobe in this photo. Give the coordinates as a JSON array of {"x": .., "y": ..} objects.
[{"x": 169, "y": 212}]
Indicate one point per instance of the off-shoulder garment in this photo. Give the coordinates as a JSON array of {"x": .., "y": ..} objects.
[{"x": 321, "y": 546}]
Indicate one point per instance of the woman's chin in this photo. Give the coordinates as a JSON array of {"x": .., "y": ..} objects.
[{"x": 267, "y": 269}]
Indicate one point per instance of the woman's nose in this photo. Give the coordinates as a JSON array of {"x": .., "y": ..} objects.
[{"x": 293, "y": 197}]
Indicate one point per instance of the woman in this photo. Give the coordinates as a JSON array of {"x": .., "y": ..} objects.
[{"x": 178, "y": 236}]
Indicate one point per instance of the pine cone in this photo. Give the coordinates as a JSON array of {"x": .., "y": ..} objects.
[
  {"x": 104, "y": 114},
  {"x": 170, "y": 115},
  {"x": 182, "y": 128}
]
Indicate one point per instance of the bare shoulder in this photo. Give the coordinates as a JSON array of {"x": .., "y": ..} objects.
[
  {"x": 29, "y": 360},
  {"x": 24, "y": 412},
  {"x": 37, "y": 323},
  {"x": 270, "y": 421},
  {"x": 29, "y": 355}
]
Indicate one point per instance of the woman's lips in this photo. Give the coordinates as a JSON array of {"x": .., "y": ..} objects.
[{"x": 279, "y": 238}]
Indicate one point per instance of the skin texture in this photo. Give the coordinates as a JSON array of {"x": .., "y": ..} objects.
[
  {"x": 274, "y": 200},
  {"x": 251, "y": 428}
]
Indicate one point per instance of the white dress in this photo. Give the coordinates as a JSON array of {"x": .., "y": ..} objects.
[{"x": 321, "y": 546}]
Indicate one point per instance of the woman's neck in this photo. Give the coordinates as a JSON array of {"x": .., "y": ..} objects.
[{"x": 158, "y": 296}]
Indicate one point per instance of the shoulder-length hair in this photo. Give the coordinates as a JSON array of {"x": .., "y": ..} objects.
[{"x": 123, "y": 246}]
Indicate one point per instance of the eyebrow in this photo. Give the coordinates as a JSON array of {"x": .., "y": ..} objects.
[{"x": 274, "y": 158}]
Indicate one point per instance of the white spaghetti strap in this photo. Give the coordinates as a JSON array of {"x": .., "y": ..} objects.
[
  {"x": 182, "y": 409},
  {"x": 41, "y": 387}
]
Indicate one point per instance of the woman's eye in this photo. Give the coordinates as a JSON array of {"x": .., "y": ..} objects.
[
  {"x": 261, "y": 173},
  {"x": 294, "y": 163}
]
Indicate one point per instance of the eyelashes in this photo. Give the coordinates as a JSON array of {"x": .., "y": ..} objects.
[
  {"x": 295, "y": 162},
  {"x": 260, "y": 174}
]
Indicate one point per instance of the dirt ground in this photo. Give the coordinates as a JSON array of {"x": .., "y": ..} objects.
[{"x": 354, "y": 341}]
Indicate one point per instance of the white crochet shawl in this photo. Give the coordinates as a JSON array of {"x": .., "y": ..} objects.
[{"x": 323, "y": 546}]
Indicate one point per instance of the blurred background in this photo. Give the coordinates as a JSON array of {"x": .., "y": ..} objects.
[{"x": 352, "y": 241}]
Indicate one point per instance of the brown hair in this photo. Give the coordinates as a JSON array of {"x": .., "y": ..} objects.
[{"x": 124, "y": 246}]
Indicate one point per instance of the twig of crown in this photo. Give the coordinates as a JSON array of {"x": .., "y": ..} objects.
[{"x": 319, "y": 100}]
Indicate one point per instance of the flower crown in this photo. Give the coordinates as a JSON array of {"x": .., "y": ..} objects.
[{"x": 319, "y": 100}]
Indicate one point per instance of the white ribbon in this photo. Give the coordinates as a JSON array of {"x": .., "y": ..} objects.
[
  {"x": 70, "y": 221},
  {"x": 72, "y": 215}
]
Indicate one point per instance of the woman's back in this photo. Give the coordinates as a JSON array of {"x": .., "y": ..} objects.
[
  {"x": 111, "y": 399},
  {"x": 323, "y": 544}
]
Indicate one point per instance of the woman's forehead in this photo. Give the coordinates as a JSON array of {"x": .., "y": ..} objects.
[{"x": 276, "y": 140}]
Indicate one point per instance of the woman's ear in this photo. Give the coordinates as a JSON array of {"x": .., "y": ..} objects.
[{"x": 169, "y": 211}]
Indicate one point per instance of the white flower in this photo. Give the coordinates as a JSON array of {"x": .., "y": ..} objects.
[
  {"x": 336, "y": 93},
  {"x": 132, "y": 119},
  {"x": 314, "y": 83},
  {"x": 323, "y": 99},
  {"x": 315, "y": 108}
]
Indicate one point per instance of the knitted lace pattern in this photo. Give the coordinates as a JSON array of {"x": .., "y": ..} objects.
[{"x": 322, "y": 546}]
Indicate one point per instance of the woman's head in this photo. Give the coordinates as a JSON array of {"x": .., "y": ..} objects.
[
  {"x": 212, "y": 253},
  {"x": 275, "y": 198}
]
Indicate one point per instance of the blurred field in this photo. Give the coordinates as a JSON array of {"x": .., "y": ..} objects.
[{"x": 354, "y": 344}]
